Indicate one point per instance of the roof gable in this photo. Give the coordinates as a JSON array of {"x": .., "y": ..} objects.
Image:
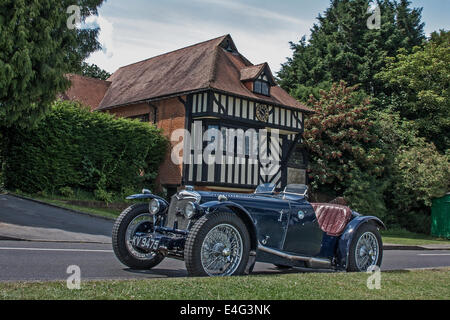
[
  {"x": 252, "y": 73},
  {"x": 214, "y": 64}
]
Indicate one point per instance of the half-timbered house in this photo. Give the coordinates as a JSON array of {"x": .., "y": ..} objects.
[{"x": 211, "y": 86}]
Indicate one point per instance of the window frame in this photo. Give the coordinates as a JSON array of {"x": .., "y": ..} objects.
[
  {"x": 263, "y": 83},
  {"x": 145, "y": 117}
]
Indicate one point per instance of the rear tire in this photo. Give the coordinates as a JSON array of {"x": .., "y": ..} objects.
[
  {"x": 217, "y": 245},
  {"x": 366, "y": 249},
  {"x": 123, "y": 250}
]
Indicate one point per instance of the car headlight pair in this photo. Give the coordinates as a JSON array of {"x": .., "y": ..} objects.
[{"x": 189, "y": 210}]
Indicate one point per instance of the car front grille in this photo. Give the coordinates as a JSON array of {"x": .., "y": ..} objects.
[{"x": 175, "y": 213}]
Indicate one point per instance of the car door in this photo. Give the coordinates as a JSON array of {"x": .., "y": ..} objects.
[
  {"x": 304, "y": 236},
  {"x": 271, "y": 217}
]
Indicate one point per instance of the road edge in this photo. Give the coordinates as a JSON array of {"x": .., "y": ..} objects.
[{"x": 57, "y": 206}]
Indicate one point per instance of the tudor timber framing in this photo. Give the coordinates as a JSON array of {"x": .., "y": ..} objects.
[
  {"x": 212, "y": 106},
  {"x": 222, "y": 105}
]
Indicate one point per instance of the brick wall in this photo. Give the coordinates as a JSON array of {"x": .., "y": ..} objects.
[
  {"x": 170, "y": 116},
  {"x": 135, "y": 110}
]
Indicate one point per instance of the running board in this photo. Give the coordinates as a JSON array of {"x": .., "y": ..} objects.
[{"x": 311, "y": 262}]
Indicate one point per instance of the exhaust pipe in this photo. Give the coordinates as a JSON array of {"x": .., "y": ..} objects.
[{"x": 310, "y": 262}]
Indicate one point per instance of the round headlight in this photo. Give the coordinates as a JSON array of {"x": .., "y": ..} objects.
[
  {"x": 154, "y": 206},
  {"x": 189, "y": 210}
]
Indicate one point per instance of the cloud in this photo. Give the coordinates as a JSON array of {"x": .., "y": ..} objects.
[
  {"x": 261, "y": 35},
  {"x": 253, "y": 11},
  {"x": 105, "y": 37}
]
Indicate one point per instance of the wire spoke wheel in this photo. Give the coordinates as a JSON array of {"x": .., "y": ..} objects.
[
  {"x": 141, "y": 224},
  {"x": 218, "y": 245},
  {"x": 134, "y": 220},
  {"x": 366, "y": 251},
  {"x": 221, "y": 251}
]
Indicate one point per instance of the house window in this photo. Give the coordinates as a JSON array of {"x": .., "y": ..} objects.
[
  {"x": 251, "y": 143},
  {"x": 262, "y": 85},
  {"x": 141, "y": 117},
  {"x": 234, "y": 140}
]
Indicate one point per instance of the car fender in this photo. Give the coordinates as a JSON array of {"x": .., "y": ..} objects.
[
  {"x": 143, "y": 196},
  {"x": 246, "y": 217},
  {"x": 346, "y": 238}
]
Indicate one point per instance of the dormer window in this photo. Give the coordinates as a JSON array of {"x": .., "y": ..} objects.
[
  {"x": 258, "y": 79},
  {"x": 262, "y": 85}
]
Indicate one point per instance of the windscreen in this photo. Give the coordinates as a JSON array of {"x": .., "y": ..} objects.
[
  {"x": 300, "y": 189},
  {"x": 265, "y": 188}
]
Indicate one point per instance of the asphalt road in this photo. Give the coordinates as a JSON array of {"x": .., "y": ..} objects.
[
  {"x": 24, "y": 219},
  {"x": 29, "y": 261},
  {"x": 76, "y": 239}
]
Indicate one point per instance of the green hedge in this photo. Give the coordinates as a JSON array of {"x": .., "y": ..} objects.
[{"x": 75, "y": 148}]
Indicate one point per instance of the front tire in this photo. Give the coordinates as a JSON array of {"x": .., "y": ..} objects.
[
  {"x": 131, "y": 220},
  {"x": 366, "y": 249},
  {"x": 217, "y": 245}
]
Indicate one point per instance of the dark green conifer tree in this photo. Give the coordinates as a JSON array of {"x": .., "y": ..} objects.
[
  {"x": 343, "y": 47},
  {"x": 36, "y": 49}
]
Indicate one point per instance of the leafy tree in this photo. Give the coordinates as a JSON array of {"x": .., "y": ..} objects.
[
  {"x": 341, "y": 140},
  {"x": 414, "y": 172},
  {"x": 418, "y": 86},
  {"x": 342, "y": 47},
  {"x": 374, "y": 158},
  {"x": 420, "y": 174},
  {"x": 36, "y": 49},
  {"x": 94, "y": 71}
]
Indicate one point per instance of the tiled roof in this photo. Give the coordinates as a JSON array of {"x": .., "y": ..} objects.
[
  {"x": 251, "y": 72},
  {"x": 207, "y": 65},
  {"x": 88, "y": 91}
]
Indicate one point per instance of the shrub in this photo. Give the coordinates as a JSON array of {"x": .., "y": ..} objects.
[
  {"x": 103, "y": 195},
  {"x": 415, "y": 172},
  {"x": 420, "y": 173},
  {"x": 67, "y": 192},
  {"x": 364, "y": 194},
  {"x": 75, "y": 148}
]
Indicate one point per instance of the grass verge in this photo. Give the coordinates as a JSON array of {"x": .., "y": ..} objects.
[
  {"x": 410, "y": 238},
  {"x": 395, "y": 285},
  {"x": 106, "y": 213},
  {"x": 111, "y": 213}
]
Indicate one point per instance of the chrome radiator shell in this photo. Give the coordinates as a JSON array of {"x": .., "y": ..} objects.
[{"x": 175, "y": 215}]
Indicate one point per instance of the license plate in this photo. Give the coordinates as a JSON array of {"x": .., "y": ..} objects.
[{"x": 147, "y": 243}]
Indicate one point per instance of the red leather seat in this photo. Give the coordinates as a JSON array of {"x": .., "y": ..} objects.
[{"x": 332, "y": 218}]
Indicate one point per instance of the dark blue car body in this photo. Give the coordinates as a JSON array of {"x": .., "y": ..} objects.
[{"x": 283, "y": 228}]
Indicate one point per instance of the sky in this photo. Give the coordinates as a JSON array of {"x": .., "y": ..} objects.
[{"x": 134, "y": 30}]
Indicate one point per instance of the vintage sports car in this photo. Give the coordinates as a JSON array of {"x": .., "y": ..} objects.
[{"x": 224, "y": 234}]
